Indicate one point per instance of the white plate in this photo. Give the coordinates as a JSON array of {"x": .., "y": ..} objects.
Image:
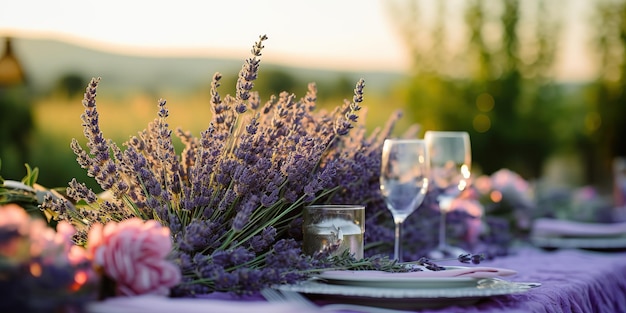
[
  {"x": 548, "y": 227},
  {"x": 451, "y": 277},
  {"x": 608, "y": 243},
  {"x": 392, "y": 280},
  {"x": 401, "y": 298}
]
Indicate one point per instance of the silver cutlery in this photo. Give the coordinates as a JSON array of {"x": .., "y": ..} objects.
[{"x": 501, "y": 283}]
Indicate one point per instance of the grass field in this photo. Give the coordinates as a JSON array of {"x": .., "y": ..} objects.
[{"x": 58, "y": 120}]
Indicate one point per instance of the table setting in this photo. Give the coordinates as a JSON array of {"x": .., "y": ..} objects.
[
  {"x": 555, "y": 233},
  {"x": 277, "y": 207},
  {"x": 413, "y": 290},
  {"x": 564, "y": 274},
  {"x": 408, "y": 166}
]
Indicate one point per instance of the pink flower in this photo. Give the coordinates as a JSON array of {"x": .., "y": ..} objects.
[
  {"x": 483, "y": 184},
  {"x": 585, "y": 193},
  {"x": 506, "y": 180},
  {"x": 14, "y": 218},
  {"x": 512, "y": 187},
  {"x": 133, "y": 254},
  {"x": 34, "y": 237},
  {"x": 474, "y": 225}
]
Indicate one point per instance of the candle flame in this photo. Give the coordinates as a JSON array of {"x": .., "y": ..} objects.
[
  {"x": 35, "y": 269},
  {"x": 80, "y": 278}
]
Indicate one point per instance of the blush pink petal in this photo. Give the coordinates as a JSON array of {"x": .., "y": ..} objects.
[
  {"x": 133, "y": 254},
  {"x": 94, "y": 238},
  {"x": 65, "y": 230}
]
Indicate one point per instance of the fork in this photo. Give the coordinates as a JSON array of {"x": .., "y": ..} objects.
[
  {"x": 498, "y": 282},
  {"x": 273, "y": 295}
]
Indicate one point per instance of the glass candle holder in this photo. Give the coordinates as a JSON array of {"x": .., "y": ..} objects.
[{"x": 333, "y": 229}]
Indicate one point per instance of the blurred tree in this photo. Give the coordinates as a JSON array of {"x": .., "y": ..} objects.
[
  {"x": 273, "y": 81},
  {"x": 516, "y": 74},
  {"x": 16, "y": 121},
  {"x": 70, "y": 85},
  {"x": 495, "y": 83},
  {"x": 605, "y": 123},
  {"x": 335, "y": 90}
]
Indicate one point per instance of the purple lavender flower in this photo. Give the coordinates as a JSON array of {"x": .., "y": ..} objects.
[{"x": 233, "y": 197}]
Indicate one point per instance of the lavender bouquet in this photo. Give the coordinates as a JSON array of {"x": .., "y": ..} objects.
[{"x": 233, "y": 196}]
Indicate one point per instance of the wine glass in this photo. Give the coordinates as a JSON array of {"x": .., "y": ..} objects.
[
  {"x": 403, "y": 181},
  {"x": 450, "y": 162}
]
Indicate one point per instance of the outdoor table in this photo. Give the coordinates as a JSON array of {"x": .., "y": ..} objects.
[{"x": 572, "y": 281}]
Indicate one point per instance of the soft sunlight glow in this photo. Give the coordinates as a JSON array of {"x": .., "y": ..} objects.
[
  {"x": 465, "y": 171},
  {"x": 481, "y": 123},
  {"x": 80, "y": 278},
  {"x": 485, "y": 102},
  {"x": 462, "y": 185},
  {"x": 495, "y": 196},
  {"x": 347, "y": 34}
]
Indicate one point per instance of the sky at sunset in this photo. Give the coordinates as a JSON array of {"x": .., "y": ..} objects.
[{"x": 346, "y": 34}]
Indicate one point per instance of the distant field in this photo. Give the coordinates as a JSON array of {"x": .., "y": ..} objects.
[
  {"x": 58, "y": 121},
  {"x": 183, "y": 82},
  {"x": 120, "y": 117}
]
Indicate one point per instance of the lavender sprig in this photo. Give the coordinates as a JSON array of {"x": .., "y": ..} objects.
[
  {"x": 463, "y": 258},
  {"x": 471, "y": 258}
]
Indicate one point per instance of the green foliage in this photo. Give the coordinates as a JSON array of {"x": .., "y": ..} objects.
[
  {"x": 70, "y": 85},
  {"x": 23, "y": 192},
  {"x": 605, "y": 121},
  {"x": 496, "y": 87},
  {"x": 16, "y": 128}
]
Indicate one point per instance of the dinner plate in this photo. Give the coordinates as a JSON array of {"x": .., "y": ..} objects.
[
  {"x": 401, "y": 298},
  {"x": 451, "y": 277},
  {"x": 594, "y": 243},
  {"x": 392, "y": 280},
  {"x": 548, "y": 227}
]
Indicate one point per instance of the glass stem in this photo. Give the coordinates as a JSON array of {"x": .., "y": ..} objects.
[
  {"x": 397, "y": 247},
  {"x": 442, "y": 230}
]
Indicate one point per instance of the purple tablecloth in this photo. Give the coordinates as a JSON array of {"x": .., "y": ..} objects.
[{"x": 572, "y": 281}]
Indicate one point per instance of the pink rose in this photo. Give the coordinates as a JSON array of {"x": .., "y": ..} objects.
[
  {"x": 474, "y": 225},
  {"x": 133, "y": 254},
  {"x": 508, "y": 181},
  {"x": 483, "y": 184},
  {"x": 14, "y": 218}
]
